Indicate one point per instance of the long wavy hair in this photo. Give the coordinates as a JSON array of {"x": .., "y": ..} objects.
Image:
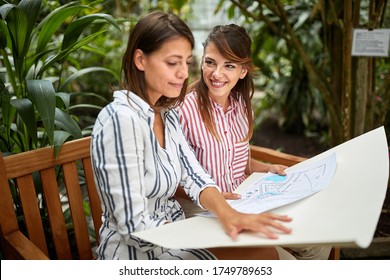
[
  {"x": 234, "y": 43},
  {"x": 148, "y": 35}
]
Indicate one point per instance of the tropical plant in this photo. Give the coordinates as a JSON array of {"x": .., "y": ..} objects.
[
  {"x": 38, "y": 71},
  {"x": 354, "y": 90},
  {"x": 284, "y": 78},
  {"x": 39, "y": 79}
]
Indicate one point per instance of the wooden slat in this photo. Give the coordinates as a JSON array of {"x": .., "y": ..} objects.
[
  {"x": 56, "y": 216},
  {"x": 94, "y": 199},
  {"x": 20, "y": 247},
  {"x": 7, "y": 214},
  {"x": 20, "y": 165},
  {"x": 77, "y": 210},
  {"x": 32, "y": 216},
  {"x": 334, "y": 253},
  {"x": 272, "y": 156},
  {"x": 43, "y": 158}
]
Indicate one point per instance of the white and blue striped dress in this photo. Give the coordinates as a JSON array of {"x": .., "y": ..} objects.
[{"x": 136, "y": 178}]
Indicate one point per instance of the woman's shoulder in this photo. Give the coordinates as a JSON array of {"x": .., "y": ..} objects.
[
  {"x": 190, "y": 101},
  {"x": 123, "y": 107}
]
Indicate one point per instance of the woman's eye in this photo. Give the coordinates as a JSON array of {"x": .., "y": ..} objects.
[
  {"x": 171, "y": 63},
  {"x": 209, "y": 62},
  {"x": 230, "y": 66}
]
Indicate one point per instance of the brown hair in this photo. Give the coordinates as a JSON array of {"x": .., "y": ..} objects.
[
  {"x": 234, "y": 44},
  {"x": 148, "y": 35}
]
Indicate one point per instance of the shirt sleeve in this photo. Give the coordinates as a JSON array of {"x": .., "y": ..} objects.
[
  {"x": 194, "y": 178},
  {"x": 118, "y": 150},
  {"x": 187, "y": 121}
]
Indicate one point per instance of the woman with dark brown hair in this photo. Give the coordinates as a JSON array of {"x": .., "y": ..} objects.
[{"x": 140, "y": 155}]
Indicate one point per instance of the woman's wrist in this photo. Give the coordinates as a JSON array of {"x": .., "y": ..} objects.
[
  {"x": 224, "y": 213},
  {"x": 213, "y": 200}
]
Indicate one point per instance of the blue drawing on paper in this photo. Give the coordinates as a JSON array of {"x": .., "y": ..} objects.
[
  {"x": 274, "y": 190},
  {"x": 275, "y": 178}
]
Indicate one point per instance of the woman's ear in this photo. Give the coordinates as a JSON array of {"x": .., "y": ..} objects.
[
  {"x": 244, "y": 71},
  {"x": 139, "y": 59}
]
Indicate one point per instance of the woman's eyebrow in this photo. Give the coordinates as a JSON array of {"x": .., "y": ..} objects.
[
  {"x": 225, "y": 62},
  {"x": 179, "y": 56},
  {"x": 209, "y": 58}
]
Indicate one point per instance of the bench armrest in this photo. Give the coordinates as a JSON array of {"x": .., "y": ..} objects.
[
  {"x": 20, "y": 247},
  {"x": 273, "y": 156}
]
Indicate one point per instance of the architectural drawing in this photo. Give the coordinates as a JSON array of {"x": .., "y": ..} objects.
[{"x": 273, "y": 190}]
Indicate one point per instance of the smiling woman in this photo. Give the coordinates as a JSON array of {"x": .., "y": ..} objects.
[
  {"x": 217, "y": 115},
  {"x": 220, "y": 75},
  {"x": 140, "y": 155}
]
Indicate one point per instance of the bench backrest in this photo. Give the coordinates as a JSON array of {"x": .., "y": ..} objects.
[{"x": 37, "y": 205}]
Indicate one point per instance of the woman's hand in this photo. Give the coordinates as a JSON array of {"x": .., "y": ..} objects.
[
  {"x": 277, "y": 169},
  {"x": 233, "y": 222},
  {"x": 267, "y": 224},
  {"x": 230, "y": 195}
]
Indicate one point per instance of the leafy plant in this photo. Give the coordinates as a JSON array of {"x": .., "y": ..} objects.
[
  {"x": 314, "y": 40},
  {"x": 38, "y": 74},
  {"x": 35, "y": 54}
]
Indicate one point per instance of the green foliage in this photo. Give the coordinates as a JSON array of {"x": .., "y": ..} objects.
[
  {"x": 37, "y": 58},
  {"x": 283, "y": 76},
  {"x": 302, "y": 50},
  {"x": 40, "y": 80}
]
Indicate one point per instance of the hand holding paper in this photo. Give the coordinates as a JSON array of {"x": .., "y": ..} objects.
[{"x": 234, "y": 222}]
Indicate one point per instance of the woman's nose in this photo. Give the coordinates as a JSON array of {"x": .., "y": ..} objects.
[
  {"x": 218, "y": 72},
  {"x": 183, "y": 71}
]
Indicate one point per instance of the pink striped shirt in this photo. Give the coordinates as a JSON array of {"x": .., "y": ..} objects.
[{"x": 224, "y": 160}]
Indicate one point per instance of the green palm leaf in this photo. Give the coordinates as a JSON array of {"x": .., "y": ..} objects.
[
  {"x": 52, "y": 60},
  {"x": 60, "y": 138},
  {"x": 53, "y": 21},
  {"x": 31, "y": 9},
  {"x": 67, "y": 123},
  {"x": 44, "y": 98},
  {"x": 84, "y": 72},
  {"x": 25, "y": 109},
  {"x": 75, "y": 29}
]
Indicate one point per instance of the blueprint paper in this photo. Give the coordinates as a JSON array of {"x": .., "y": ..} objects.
[
  {"x": 344, "y": 214},
  {"x": 262, "y": 192},
  {"x": 272, "y": 190}
]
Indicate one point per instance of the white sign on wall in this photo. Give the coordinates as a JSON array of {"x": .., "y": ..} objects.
[{"x": 370, "y": 42}]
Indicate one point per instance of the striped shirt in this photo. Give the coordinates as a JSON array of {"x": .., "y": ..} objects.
[
  {"x": 136, "y": 178},
  {"x": 224, "y": 160}
]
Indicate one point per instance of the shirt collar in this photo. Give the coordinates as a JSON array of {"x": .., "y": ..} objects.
[
  {"x": 134, "y": 101},
  {"x": 233, "y": 103}
]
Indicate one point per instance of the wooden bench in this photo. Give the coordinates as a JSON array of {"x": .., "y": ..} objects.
[
  {"x": 30, "y": 231},
  {"x": 26, "y": 238}
]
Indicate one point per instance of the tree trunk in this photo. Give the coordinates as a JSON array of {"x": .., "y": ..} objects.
[
  {"x": 346, "y": 93},
  {"x": 362, "y": 91}
]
